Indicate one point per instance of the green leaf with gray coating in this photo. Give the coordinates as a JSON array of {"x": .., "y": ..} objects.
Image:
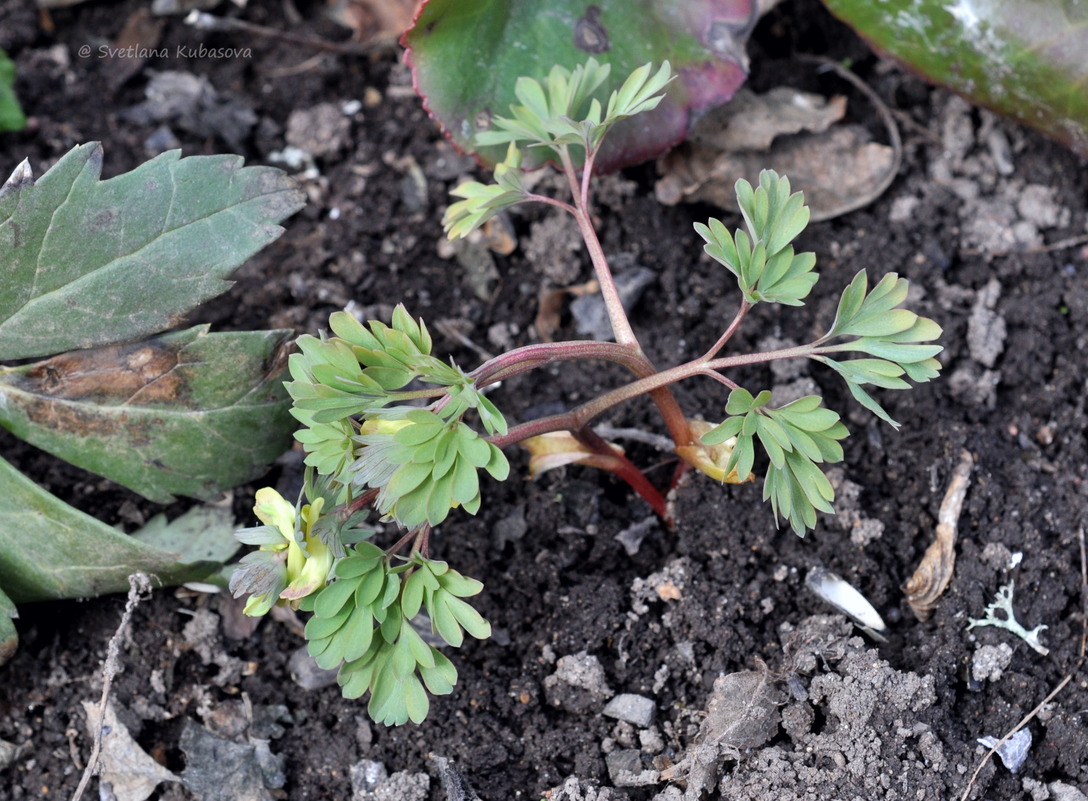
[
  {"x": 188, "y": 413},
  {"x": 51, "y": 550},
  {"x": 86, "y": 263},
  {"x": 1023, "y": 59}
]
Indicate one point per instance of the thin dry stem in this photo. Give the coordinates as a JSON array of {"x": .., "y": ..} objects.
[{"x": 139, "y": 587}]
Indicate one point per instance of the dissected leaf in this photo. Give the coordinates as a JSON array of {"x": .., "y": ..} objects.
[
  {"x": 50, "y": 550},
  {"x": 189, "y": 413},
  {"x": 466, "y": 57},
  {"x": 12, "y": 117},
  {"x": 1026, "y": 60},
  {"x": 85, "y": 262}
]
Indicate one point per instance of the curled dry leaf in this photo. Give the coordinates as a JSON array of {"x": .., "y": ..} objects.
[
  {"x": 793, "y": 132},
  {"x": 935, "y": 570},
  {"x": 558, "y": 449}
]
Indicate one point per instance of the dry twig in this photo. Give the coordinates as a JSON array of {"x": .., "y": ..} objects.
[{"x": 139, "y": 587}]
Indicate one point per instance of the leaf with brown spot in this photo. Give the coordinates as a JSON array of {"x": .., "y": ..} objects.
[{"x": 189, "y": 413}]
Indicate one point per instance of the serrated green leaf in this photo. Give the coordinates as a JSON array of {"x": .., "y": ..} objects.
[
  {"x": 189, "y": 413},
  {"x": 50, "y": 550},
  {"x": 81, "y": 257}
]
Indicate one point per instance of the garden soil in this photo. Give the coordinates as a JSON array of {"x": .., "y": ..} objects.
[{"x": 748, "y": 685}]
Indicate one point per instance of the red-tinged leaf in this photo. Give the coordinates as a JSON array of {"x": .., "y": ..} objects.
[{"x": 467, "y": 57}]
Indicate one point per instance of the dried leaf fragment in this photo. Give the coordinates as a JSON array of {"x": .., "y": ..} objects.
[
  {"x": 836, "y": 166},
  {"x": 933, "y": 574},
  {"x": 132, "y": 774}
]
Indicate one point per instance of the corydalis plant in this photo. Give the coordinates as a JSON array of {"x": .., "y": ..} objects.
[{"x": 389, "y": 426}]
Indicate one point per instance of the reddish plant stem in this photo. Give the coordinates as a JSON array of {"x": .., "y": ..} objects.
[
  {"x": 607, "y": 457},
  {"x": 581, "y": 416}
]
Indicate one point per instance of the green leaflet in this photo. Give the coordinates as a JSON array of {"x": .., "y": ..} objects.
[
  {"x": 763, "y": 261},
  {"x": 362, "y": 623},
  {"x": 796, "y": 438}
]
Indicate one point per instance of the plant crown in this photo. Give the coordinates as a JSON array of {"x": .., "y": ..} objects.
[{"x": 388, "y": 426}]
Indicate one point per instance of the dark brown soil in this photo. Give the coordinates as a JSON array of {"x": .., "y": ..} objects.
[{"x": 725, "y": 592}]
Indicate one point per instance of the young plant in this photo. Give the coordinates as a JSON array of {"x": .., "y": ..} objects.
[{"x": 389, "y": 426}]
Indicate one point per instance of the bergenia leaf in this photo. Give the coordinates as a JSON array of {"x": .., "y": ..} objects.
[
  {"x": 465, "y": 57},
  {"x": 1026, "y": 60},
  {"x": 189, "y": 413},
  {"x": 85, "y": 263}
]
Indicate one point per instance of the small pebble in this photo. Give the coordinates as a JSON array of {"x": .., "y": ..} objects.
[
  {"x": 306, "y": 673},
  {"x": 636, "y": 709},
  {"x": 1013, "y": 751}
]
